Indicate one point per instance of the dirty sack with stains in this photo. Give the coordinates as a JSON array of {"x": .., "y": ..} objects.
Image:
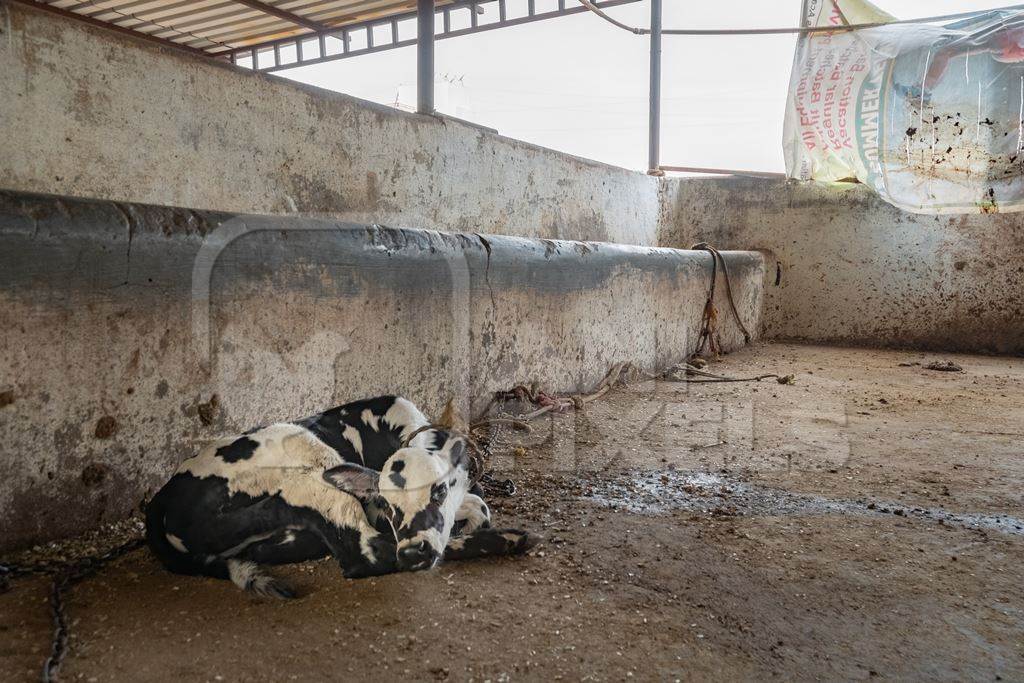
[{"x": 930, "y": 116}]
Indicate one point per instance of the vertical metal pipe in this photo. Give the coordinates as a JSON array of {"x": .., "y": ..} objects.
[
  {"x": 425, "y": 56},
  {"x": 654, "y": 135}
]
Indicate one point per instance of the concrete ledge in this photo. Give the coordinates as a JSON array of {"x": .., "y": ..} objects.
[{"x": 120, "y": 323}]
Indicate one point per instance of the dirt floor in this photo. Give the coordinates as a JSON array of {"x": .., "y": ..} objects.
[{"x": 865, "y": 522}]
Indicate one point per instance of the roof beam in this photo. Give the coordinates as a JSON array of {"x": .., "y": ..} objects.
[
  {"x": 286, "y": 15},
  {"x": 111, "y": 26}
]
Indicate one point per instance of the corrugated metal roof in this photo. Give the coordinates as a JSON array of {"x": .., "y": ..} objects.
[
  {"x": 271, "y": 35},
  {"x": 218, "y": 26}
]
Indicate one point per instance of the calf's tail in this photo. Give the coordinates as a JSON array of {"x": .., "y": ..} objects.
[{"x": 245, "y": 575}]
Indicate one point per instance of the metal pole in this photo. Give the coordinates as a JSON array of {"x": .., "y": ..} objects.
[
  {"x": 425, "y": 56},
  {"x": 654, "y": 138}
]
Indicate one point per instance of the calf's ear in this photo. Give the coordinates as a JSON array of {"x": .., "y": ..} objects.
[
  {"x": 354, "y": 480},
  {"x": 452, "y": 419}
]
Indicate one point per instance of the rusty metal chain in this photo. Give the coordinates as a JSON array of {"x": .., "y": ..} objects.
[
  {"x": 494, "y": 487},
  {"x": 64, "y": 577}
]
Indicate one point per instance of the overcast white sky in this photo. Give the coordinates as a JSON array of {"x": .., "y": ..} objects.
[{"x": 578, "y": 84}]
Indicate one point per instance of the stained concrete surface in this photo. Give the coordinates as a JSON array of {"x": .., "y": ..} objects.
[
  {"x": 693, "y": 532},
  {"x": 130, "y": 332}
]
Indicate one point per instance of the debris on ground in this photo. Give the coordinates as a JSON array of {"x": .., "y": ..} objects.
[
  {"x": 944, "y": 366},
  {"x": 70, "y": 550}
]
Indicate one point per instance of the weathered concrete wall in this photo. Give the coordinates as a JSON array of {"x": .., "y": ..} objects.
[
  {"x": 85, "y": 112},
  {"x": 88, "y": 113},
  {"x": 855, "y": 270},
  {"x": 119, "y": 324}
]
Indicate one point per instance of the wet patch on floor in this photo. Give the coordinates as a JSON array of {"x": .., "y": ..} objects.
[{"x": 654, "y": 492}]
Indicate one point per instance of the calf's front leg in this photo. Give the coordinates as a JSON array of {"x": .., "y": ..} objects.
[
  {"x": 490, "y": 542},
  {"x": 471, "y": 515}
]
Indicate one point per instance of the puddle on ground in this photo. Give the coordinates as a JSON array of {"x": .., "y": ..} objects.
[{"x": 661, "y": 492}]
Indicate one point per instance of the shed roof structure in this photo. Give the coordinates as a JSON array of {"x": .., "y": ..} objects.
[{"x": 270, "y": 35}]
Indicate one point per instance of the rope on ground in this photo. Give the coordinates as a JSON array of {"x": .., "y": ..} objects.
[
  {"x": 548, "y": 403},
  {"x": 711, "y": 378},
  {"x": 616, "y": 377}
]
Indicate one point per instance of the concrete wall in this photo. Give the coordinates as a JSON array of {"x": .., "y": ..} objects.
[
  {"x": 90, "y": 113},
  {"x": 855, "y": 270},
  {"x": 119, "y": 324}
]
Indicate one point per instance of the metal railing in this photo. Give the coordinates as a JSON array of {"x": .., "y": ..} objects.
[{"x": 377, "y": 35}]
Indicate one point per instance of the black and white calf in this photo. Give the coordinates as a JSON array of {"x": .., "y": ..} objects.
[{"x": 339, "y": 483}]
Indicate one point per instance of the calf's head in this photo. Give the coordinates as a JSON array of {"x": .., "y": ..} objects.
[{"x": 415, "y": 497}]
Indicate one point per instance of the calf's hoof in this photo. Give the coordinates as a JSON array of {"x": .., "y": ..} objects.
[{"x": 521, "y": 541}]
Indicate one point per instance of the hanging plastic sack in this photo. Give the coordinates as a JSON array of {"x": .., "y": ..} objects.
[{"x": 931, "y": 117}]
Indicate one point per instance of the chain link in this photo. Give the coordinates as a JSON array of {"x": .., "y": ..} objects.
[{"x": 64, "y": 577}]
